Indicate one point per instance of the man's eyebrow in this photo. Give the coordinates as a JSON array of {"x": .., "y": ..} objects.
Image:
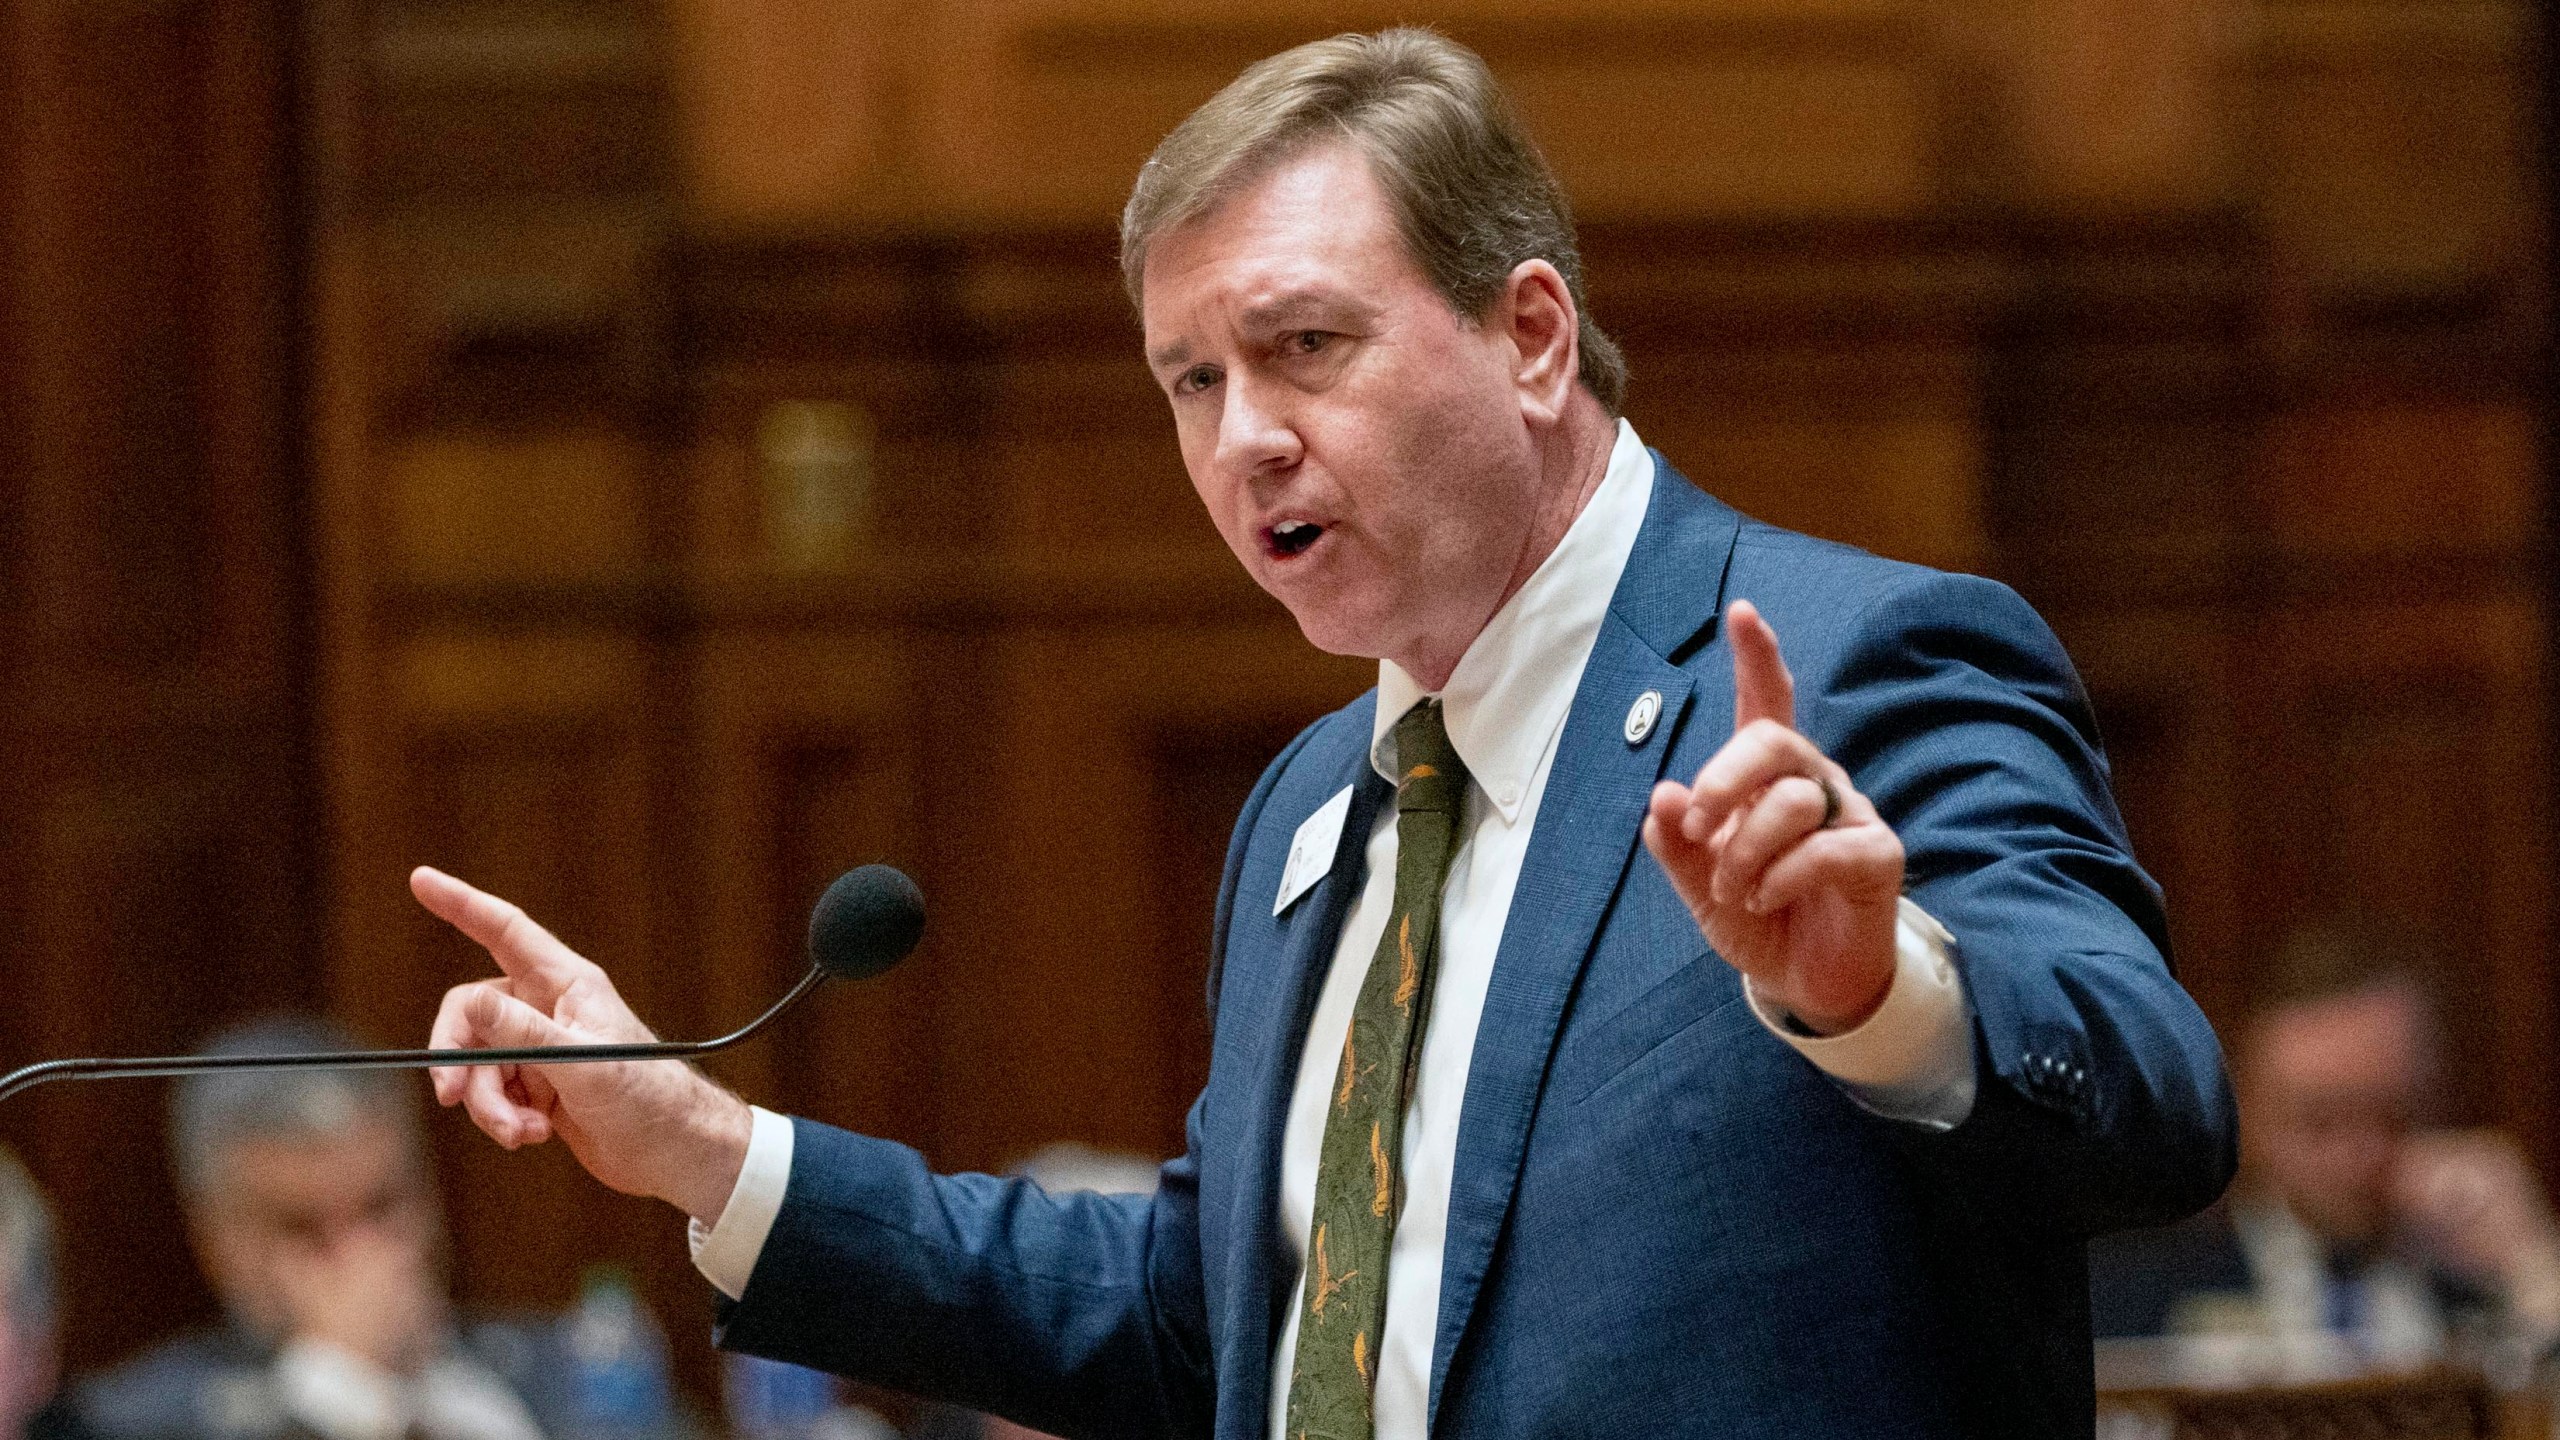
[
  {"x": 1295, "y": 307},
  {"x": 1300, "y": 305}
]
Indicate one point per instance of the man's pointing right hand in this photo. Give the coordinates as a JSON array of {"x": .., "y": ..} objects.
[{"x": 645, "y": 1127}]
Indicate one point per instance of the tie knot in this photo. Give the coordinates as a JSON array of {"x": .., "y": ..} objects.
[{"x": 1429, "y": 774}]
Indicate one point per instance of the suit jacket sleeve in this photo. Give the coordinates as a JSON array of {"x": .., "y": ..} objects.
[
  {"x": 1077, "y": 1314},
  {"x": 2101, "y": 1101}
]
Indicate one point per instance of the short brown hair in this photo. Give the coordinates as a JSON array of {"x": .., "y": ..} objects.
[
  {"x": 2342, "y": 955},
  {"x": 1472, "y": 195},
  {"x": 2347, "y": 955}
]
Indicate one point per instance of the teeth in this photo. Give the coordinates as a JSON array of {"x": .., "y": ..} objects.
[{"x": 1291, "y": 537}]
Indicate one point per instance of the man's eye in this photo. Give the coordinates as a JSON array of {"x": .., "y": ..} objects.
[
  {"x": 1308, "y": 342},
  {"x": 1198, "y": 377}
]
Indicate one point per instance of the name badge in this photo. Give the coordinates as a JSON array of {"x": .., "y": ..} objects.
[{"x": 1311, "y": 850}]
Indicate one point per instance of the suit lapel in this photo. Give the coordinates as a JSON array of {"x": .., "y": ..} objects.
[
  {"x": 1284, "y": 1006},
  {"x": 1587, "y": 830}
]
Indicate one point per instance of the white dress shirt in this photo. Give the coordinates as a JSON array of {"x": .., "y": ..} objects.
[
  {"x": 341, "y": 1395},
  {"x": 2282, "y": 1330},
  {"x": 2400, "y": 1326},
  {"x": 1505, "y": 706}
]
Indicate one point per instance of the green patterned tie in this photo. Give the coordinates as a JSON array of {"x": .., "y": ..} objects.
[{"x": 1359, "y": 1181}]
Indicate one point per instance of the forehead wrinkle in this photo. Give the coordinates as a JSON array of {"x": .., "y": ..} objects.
[
  {"x": 1266, "y": 268},
  {"x": 1274, "y": 308}
]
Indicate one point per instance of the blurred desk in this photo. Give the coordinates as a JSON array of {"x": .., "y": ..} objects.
[{"x": 2437, "y": 1405}]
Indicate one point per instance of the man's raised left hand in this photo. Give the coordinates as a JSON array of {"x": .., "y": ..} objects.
[{"x": 1789, "y": 870}]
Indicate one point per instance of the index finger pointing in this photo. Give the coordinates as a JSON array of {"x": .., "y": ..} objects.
[
  {"x": 1762, "y": 688},
  {"x": 524, "y": 950}
]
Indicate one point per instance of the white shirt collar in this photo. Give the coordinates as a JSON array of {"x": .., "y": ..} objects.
[{"x": 1513, "y": 687}]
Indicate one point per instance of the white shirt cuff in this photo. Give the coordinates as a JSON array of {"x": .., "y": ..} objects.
[
  {"x": 1912, "y": 1060},
  {"x": 726, "y": 1252},
  {"x": 339, "y": 1394}
]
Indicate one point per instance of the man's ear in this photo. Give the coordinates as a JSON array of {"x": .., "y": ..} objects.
[{"x": 1536, "y": 311}]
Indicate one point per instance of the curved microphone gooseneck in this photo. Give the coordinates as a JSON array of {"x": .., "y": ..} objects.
[{"x": 868, "y": 920}]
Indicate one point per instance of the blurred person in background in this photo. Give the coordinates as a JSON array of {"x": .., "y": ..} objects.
[
  {"x": 30, "y": 1355},
  {"x": 313, "y": 1212},
  {"x": 2357, "y": 1238}
]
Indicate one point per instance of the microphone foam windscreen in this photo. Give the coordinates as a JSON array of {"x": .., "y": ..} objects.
[{"x": 866, "y": 922}]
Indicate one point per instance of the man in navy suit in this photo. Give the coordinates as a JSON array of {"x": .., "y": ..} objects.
[{"x": 1797, "y": 1126}]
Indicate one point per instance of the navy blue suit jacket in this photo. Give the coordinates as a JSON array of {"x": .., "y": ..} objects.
[{"x": 1664, "y": 1220}]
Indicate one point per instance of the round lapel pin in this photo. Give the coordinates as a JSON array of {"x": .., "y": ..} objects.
[{"x": 1642, "y": 714}]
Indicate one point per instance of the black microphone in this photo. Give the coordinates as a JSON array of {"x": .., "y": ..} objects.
[{"x": 868, "y": 920}]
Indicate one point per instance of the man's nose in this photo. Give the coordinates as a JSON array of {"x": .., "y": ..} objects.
[
  {"x": 349, "y": 1230},
  {"x": 1256, "y": 433}
]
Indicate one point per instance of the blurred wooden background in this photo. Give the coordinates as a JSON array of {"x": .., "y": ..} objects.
[{"x": 648, "y": 458}]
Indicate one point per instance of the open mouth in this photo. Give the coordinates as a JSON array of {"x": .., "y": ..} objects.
[{"x": 1291, "y": 537}]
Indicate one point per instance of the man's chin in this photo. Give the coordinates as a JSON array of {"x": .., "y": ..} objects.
[
  {"x": 2352, "y": 1231},
  {"x": 1339, "y": 642},
  {"x": 1366, "y": 634},
  {"x": 1334, "y": 633}
]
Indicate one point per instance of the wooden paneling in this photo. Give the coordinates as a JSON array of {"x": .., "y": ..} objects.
[
  {"x": 2302, "y": 567},
  {"x": 2107, "y": 105},
  {"x": 1089, "y": 1011},
  {"x": 796, "y": 107},
  {"x": 1033, "y": 112},
  {"x": 541, "y": 98},
  {"x": 534, "y": 763},
  {"x": 552, "y": 812},
  {"x": 156, "y": 798},
  {"x": 1823, "y": 377},
  {"x": 2162, "y": 681},
  {"x": 2380, "y": 475},
  {"x": 2390, "y": 142},
  {"x": 2402, "y": 745},
  {"x": 488, "y": 182},
  {"x": 2387, "y": 141},
  {"x": 1031, "y": 616},
  {"x": 805, "y": 767},
  {"x": 550, "y": 504}
]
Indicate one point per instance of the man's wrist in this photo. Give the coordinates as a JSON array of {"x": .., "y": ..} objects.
[
  {"x": 1826, "y": 1024},
  {"x": 1836, "y": 1008},
  {"x": 727, "y": 1250},
  {"x": 703, "y": 1166},
  {"x": 1913, "y": 1059}
]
